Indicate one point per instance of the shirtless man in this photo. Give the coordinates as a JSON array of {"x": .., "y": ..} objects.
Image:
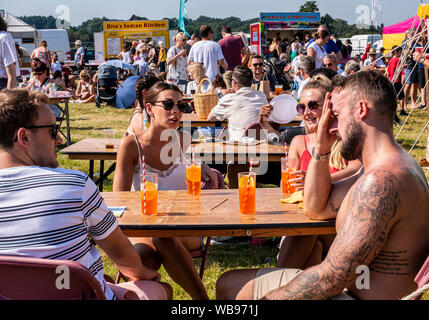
[{"x": 381, "y": 213}]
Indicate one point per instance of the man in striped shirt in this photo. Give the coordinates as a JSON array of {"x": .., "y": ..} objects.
[{"x": 54, "y": 213}]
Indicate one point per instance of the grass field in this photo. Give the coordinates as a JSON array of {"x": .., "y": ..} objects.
[{"x": 88, "y": 121}]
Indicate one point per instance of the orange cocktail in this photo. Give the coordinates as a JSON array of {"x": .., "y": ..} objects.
[
  {"x": 288, "y": 166},
  {"x": 149, "y": 194},
  {"x": 247, "y": 192},
  {"x": 279, "y": 90},
  {"x": 193, "y": 178}
]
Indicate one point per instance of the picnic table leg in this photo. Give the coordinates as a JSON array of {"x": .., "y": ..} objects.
[
  {"x": 101, "y": 180},
  {"x": 91, "y": 169},
  {"x": 67, "y": 121}
]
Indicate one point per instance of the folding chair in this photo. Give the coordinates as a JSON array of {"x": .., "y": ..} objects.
[
  {"x": 27, "y": 278},
  {"x": 201, "y": 252}
]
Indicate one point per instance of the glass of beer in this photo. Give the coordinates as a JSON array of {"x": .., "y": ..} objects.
[
  {"x": 279, "y": 90},
  {"x": 193, "y": 177},
  {"x": 247, "y": 192},
  {"x": 149, "y": 193},
  {"x": 109, "y": 135}
]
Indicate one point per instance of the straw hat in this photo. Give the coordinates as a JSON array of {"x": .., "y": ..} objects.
[
  {"x": 151, "y": 43},
  {"x": 372, "y": 51}
]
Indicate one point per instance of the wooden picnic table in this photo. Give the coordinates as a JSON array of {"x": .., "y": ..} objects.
[
  {"x": 214, "y": 213},
  {"x": 93, "y": 149},
  {"x": 57, "y": 100},
  {"x": 192, "y": 120}
]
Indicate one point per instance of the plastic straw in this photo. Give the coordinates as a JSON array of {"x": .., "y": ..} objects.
[
  {"x": 248, "y": 181},
  {"x": 144, "y": 185}
]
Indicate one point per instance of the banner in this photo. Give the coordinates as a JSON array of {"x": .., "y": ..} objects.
[
  {"x": 183, "y": 13},
  {"x": 290, "y": 17}
]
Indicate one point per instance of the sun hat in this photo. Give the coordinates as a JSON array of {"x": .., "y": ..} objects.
[{"x": 372, "y": 51}]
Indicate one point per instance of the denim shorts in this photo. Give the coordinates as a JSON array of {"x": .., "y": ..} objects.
[{"x": 411, "y": 77}]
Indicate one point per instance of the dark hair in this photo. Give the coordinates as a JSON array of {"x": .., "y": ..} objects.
[
  {"x": 205, "y": 30},
  {"x": 256, "y": 56},
  {"x": 156, "y": 89},
  {"x": 133, "y": 51},
  {"x": 3, "y": 24},
  {"x": 58, "y": 74},
  {"x": 18, "y": 109},
  {"x": 243, "y": 76},
  {"x": 219, "y": 82},
  {"x": 40, "y": 66},
  {"x": 373, "y": 87},
  {"x": 44, "y": 43},
  {"x": 144, "y": 83},
  {"x": 226, "y": 29},
  {"x": 329, "y": 73}
]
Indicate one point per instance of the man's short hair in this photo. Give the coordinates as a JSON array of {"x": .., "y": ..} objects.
[
  {"x": 256, "y": 56},
  {"x": 18, "y": 109},
  {"x": 243, "y": 76},
  {"x": 331, "y": 57},
  {"x": 226, "y": 29},
  {"x": 3, "y": 24},
  {"x": 307, "y": 64},
  {"x": 373, "y": 87},
  {"x": 327, "y": 72},
  {"x": 205, "y": 30},
  {"x": 351, "y": 66}
]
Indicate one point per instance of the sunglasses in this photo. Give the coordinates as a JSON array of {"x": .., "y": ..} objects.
[
  {"x": 38, "y": 73},
  {"x": 258, "y": 64},
  {"x": 168, "y": 105},
  {"x": 327, "y": 65},
  {"x": 312, "y": 106},
  {"x": 54, "y": 132}
]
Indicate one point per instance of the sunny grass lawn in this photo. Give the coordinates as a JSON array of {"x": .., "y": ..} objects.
[{"x": 88, "y": 121}]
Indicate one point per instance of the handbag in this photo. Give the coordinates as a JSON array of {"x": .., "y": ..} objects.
[{"x": 264, "y": 85}]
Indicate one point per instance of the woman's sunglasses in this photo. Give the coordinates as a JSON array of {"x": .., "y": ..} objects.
[
  {"x": 258, "y": 64},
  {"x": 168, "y": 105},
  {"x": 312, "y": 106}
]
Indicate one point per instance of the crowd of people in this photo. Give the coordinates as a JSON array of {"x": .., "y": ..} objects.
[{"x": 350, "y": 168}]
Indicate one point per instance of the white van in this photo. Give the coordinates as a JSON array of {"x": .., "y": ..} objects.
[
  {"x": 58, "y": 41},
  {"x": 359, "y": 42}
]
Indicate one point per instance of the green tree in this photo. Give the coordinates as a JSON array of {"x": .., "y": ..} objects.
[{"x": 309, "y": 6}]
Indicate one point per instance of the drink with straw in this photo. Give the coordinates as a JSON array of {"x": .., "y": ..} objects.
[
  {"x": 148, "y": 191},
  {"x": 247, "y": 192},
  {"x": 193, "y": 177},
  {"x": 288, "y": 166}
]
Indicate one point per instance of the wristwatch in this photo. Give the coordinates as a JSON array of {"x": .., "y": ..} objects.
[
  {"x": 320, "y": 157},
  {"x": 422, "y": 60}
]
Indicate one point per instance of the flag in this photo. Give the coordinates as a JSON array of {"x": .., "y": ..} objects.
[
  {"x": 183, "y": 13},
  {"x": 376, "y": 5}
]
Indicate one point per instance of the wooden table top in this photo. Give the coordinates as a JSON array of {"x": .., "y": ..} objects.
[
  {"x": 214, "y": 213},
  {"x": 94, "y": 149}
]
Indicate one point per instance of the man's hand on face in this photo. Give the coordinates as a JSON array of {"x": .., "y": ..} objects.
[{"x": 324, "y": 138}]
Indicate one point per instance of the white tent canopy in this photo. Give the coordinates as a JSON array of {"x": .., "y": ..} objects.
[{"x": 17, "y": 27}]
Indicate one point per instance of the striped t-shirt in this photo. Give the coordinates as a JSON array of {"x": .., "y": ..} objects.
[{"x": 53, "y": 214}]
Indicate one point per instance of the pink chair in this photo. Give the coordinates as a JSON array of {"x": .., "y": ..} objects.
[{"x": 26, "y": 278}]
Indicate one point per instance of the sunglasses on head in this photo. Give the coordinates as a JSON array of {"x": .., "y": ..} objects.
[
  {"x": 168, "y": 105},
  {"x": 258, "y": 64},
  {"x": 312, "y": 106}
]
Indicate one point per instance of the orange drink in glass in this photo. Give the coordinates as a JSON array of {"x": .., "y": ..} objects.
[
  {"x": 285, "y": 175},
  {"x": 279, "y": 90},
  {"x": 247, "y": 192},
  {"x": 149, "y": 193},
  {"x": 193, "y": 177}
]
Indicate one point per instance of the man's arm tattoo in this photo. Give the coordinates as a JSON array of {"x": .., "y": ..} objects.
[{"x": 373, "y": 207}]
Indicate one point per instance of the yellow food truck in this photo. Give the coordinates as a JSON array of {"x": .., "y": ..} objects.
[{"x": 109, "y": 43}]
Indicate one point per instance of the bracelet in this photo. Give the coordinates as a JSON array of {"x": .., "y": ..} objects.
[{"x": 319, "y": 157}]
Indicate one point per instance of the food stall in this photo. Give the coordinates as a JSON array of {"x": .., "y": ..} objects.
[
  {"x": 283, "y": 25},
  {"x": 117, "y": 33}
]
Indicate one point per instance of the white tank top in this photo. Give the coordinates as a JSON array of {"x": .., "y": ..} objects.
[
  {"x": 174, "y": 178},
  {"x": 320, "y": 54}
]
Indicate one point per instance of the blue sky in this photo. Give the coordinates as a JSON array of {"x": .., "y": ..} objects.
[{"x": 81, "y": 10}]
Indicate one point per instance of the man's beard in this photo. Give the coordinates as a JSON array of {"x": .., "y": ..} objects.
[{"x": 352, "y": 144}]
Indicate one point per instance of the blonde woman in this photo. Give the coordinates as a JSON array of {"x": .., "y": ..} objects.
[
  {"x": 302, "y": 252},
  {"x": 197, "y": 72},
  {"x": 85, "y": 89}
]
